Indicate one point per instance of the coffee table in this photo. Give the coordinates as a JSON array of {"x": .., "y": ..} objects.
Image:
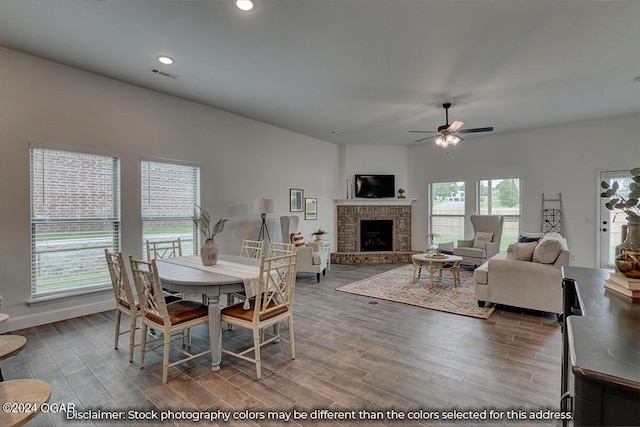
[{"x": 436, "y": 263}]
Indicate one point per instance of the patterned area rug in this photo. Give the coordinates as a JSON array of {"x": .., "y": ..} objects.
[{"x": 396, "y": 285}]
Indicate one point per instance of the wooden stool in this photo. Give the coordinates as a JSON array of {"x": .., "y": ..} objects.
[
  {"x": 10, "y": 345},
  {"x": 32, "y": 392}
]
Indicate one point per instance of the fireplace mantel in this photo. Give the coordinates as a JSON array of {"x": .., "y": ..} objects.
[{"x": 391, "y": 201}]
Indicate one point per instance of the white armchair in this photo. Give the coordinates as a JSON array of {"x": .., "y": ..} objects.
[
  {"x": 486, "y": 243},
  {"x": 310, "y": 258}
]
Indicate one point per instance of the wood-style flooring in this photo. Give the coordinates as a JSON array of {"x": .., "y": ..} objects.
[{"x": 353, "y": 354}]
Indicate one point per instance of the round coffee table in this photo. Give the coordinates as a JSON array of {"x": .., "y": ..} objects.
[{"x": 436, "y": 263}]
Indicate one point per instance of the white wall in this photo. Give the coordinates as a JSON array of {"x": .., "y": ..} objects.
[
  {"x": 374, "y": 159},
  {"x": 42, "y": 102},
  {"x": 563, "y": 159}
]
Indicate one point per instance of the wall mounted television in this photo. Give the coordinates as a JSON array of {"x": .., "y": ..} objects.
[{"x": 375, "y": 186}]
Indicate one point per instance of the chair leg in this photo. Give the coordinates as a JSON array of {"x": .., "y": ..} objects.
[
  {"x": 132, "y": 337},
  {"x": 318, "y": 276},
  {"x": 256, "y": 349},
  {"x": 165, "y": 356},
  {"x": 117, "y": 331},
  {"x": 143, "y": 344},
  {"x": 292, "y": 341}
]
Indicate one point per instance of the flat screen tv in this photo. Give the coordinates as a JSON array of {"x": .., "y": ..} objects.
[{"x": 375, "y": 186}]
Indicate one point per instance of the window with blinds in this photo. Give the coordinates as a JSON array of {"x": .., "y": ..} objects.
[
  {"x": 75, "y": 215},
  {"x": 170, "y": 193}
]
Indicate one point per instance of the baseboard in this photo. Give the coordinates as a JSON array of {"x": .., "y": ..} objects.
[{"x": 24, "y": 322}]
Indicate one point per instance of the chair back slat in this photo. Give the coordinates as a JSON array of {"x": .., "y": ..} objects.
[
  {"x": 277, "y": 249},
  {"x": 120, "y": 279},
  {"x": 163, "y": 249},
  {"x": 150, "y": 295},
  {"x": 276, "y": 284},
  {"x": 252, "y": 248}
]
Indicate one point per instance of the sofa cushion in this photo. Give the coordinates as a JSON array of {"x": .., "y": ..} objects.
[
  {"x": 481, "y": 240},
  {"x": 470, "y": 252},
  {"x": 548, "y": 248},
  {"x": 521, "y": 251},
  {"x": 297, "y": 239}
]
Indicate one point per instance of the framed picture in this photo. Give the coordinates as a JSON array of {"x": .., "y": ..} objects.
[
  {"x": 311, "y": 208},
  {"x": 296, "y": 197}
]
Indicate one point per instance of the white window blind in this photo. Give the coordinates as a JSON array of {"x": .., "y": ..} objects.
[
  {"x": 170, "y": 193},
  {"x": 75, "y": 214}
]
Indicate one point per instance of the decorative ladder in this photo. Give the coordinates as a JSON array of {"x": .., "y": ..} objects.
[{"x": 552, "y": 215}]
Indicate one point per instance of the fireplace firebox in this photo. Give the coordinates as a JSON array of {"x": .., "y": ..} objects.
[{"x": 376, "y": 235}]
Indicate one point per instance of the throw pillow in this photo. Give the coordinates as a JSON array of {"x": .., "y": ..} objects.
[
  {"x": 297, "y": 239},
  {"x": 521, "y": 251},
  {"x": 547, "y": 251},
  {"x": 481, "y": 240}
]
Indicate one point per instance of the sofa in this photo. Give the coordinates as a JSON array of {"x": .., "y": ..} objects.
[{"x": 528, "y": 275}]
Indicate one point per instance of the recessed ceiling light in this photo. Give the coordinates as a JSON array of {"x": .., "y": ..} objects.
[
  {"x": 245, "y": 5},
  {"x": 165, "y": 60}
]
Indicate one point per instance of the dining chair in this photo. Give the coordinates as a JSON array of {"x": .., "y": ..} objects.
[
  {"x": 168, "y": 319},
  {"x": 249, "y": 249},
  {"x": 277, "y": 249},
  {"x": 273, "y": 304},
  {"x": 163, "y": 249},
  {"x": 125, "y": 302}
]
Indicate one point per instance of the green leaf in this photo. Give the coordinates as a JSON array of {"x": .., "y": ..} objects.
[
  {"x": 609, "y": 206},
  {"x": 631, "y": 202},
  {"x": 604, "y": 184},
  {"x": 611, "y": 192},
  {"x": 635, "y": 172},
  {"x": 615, "y": 185}
]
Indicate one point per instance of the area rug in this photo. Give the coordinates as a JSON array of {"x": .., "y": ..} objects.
[{"x": 396, "y": 285}]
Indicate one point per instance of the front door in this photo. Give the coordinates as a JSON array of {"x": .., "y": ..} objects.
[{"x": 611, "y": 222}]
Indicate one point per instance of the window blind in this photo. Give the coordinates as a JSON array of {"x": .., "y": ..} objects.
[{"x": 75, "y": 214}]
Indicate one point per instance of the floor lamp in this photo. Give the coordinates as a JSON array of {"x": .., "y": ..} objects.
[{"x": 263, "y": 207}]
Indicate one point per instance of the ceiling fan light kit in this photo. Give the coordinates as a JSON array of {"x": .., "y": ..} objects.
[{"x": 446, "y": 135}]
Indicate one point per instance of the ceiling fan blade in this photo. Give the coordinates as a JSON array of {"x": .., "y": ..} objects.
[
  {"x": 424, "y": 139},
  {"x": 474, "y": 130},
  {"x": 455, "y": 126},
  {"x": 422, "y": 131}
]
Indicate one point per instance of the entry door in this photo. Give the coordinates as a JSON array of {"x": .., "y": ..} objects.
[{"x": 611, "y": 222}]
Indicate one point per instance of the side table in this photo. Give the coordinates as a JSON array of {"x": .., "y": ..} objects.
[{"x": 433, "y": 264}]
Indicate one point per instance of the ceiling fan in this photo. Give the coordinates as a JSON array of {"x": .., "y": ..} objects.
[{"x": 447, "y": 134}]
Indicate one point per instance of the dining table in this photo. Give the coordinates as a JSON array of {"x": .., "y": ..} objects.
[{"x": 230, "y": 274}]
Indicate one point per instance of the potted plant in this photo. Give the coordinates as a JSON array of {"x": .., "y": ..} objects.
[
  {"x": 400, "y": 193},
  {"x": 628, "y": 200},
  {"x": 209, "y": 248},
  {"x": 319, "y": 233}
]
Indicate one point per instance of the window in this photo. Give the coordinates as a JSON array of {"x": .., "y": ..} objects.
[
  {"x": 447, "y": 210},
  {"x": 170, "y": 193},
  {"x": 75, "y": 214},
  {"x": 502, "y": 197}
]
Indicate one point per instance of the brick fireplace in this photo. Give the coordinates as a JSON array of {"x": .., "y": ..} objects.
[{"x": 352, "y": 214}]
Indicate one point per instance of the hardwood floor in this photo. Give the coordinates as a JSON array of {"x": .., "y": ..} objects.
[{"x": 353, "y": 354}]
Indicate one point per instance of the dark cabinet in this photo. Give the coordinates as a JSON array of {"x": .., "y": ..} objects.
[{"x": 601, "y": 351}]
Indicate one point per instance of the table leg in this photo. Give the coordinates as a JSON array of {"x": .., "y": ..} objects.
[
  {"x": 215, "y": 332},
  {"x": 431, "y": 271}
]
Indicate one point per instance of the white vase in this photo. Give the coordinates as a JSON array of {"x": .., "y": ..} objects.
[{"x": 209, "y": 252}]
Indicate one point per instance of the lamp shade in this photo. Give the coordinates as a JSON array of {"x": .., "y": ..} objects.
[{"x": 263, "y": 206}]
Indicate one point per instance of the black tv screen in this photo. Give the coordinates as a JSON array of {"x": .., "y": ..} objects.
[{"x": 374, "y": 186}]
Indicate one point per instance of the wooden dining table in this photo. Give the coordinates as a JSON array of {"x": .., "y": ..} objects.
[{"x": 183, "y": 274}]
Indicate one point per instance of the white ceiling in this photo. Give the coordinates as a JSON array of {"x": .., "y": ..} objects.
[{"x": 370, "y": 70}]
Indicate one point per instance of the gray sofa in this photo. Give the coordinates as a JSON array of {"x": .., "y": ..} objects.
[{"x": 529, "y": 284}]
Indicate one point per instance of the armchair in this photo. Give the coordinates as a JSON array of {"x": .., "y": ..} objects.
[
  {"x": 486, "y": 243},
  {"x": 310, "y": 258}
]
